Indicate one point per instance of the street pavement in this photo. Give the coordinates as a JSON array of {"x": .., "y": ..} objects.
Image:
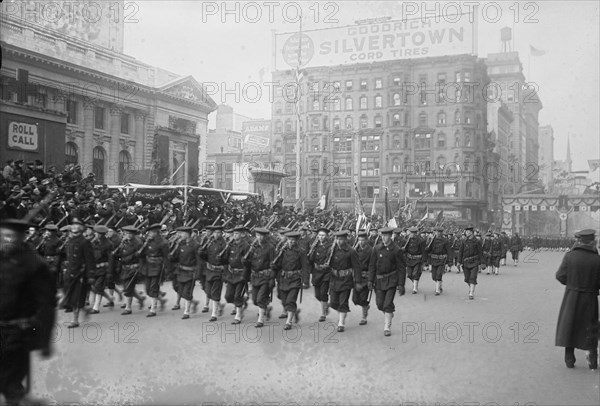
[{"x": 496, "y": 349}]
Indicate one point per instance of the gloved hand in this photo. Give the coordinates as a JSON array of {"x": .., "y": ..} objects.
[
  {"x": 370, "y": 285},
  {"x": 401, "y": 290}
]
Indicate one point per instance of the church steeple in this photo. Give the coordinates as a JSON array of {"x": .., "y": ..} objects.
[{"x": 568, "y": 161}]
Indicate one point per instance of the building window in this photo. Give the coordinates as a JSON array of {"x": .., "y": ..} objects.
[
  {"x": 314, "y": 190},
  {"x": 378, "y": 102},
  {"x": 99, "y": 113},
  {"x": 369, "y": 166},
  {"x": 336, "y": 123},
  {"x": 423, "y": 119},
  {"x": 70, "y": 153},
  {"x": 397, "y": 141},
  {"x": 397, "y": 99},
  {"x": 315, "y": 105},
  {"x": 457, "y": 139},
  {"x": 363, "y": 122},
  {"x": 378, "y": 84},
  {"x": 124, "y": 123},
  {"x": 396, "y": 120},
  {"x": 349, "y": 103},
  {"x": 288, "y": 125},
  {"x": 278, "y": 127},
  {"x": 348, "y": 123},
  {"x": 467, "y": 140},
  {"x": 336, "y": 85},
  {"x": 397, "y": 80},
  {"x": 342, "y": 144},
  {"x": 378, "y": 121},
  {"x": 468, "y": 118},
  {"x": 406, "y": 141},
  {"x": 457, "y": 117},
  {"x": 348, "y": 85},
  {"x": 124, "y": 163},
  {"x": 369, "y": 190},
  {"x": 290, "y": 147},
  {"x": 336, "y": 104},
  {"x": 99, "y": 158},
  {"x": 370, "y": 142},
  {"x": 315, "y": 124},
  {"x": 325, "y": 123},
  {"x": 441, "y": 118},
  {"x": 457, "y": 77},
  {"x": 396, "y": 167},
  {"x": 278, "y": 109},
  {"x": 278, "y": 146},
  {"x": 289, "y": 108},
  {"x": 71, "y": 109},
  {"x": 441, "y": 140},
  {"x": 342, "y": 190},
  {"x": 363, "y": 84},
  {"x": 406, "y": 119},
  {"x": 343, "y": 166},
  {"x": 315, "y": 144},
  {"x": 363, "y": 103},
  {"x": 467, "y": 76},
  {"x": 422, "y": 141}
]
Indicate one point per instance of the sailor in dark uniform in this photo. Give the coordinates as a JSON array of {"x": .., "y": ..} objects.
[
  {"x": 321, "y": 271},
  {"x": 470, "y": 255},
  {"x": 360, "y": 294},
  {"x": 344, "y": 264}
]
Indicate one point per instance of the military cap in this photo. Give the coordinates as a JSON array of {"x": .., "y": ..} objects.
[
  {"x": 209, "y": 228},
  {"x": 362, "y": 230},
  {"x": 240, "y": 229},
  {"x": 343, "y": 233},
  {"x": 324, "y": 229},
  {"x": 413, "y": 229},
  {"x": 154, "y": 226},
  {"x": 77, "y": 221},
  {"x": 185, "y": 229},
  {"x": 585, "y": 233},
  {"x": 284, "y": 230},
  {"x": 16, "y": 188},
  {"x": 15, "y": 224},
  {"x": 261, "y": 230},
  {"x": 130, "y": 229},
  {"x": 19, "y": 161},
  {"x": 30, "y": 163},
  {"x": 51, "y": 227},
  {"x": 386, "y": 230},
  {"x": 503, "y": 232},
  {"x": 65, "y": 228},
  {"x": 363, "y": 234},
  {"x": 101, "y": 229},
  {"x": 292, "y": 234},
  {"x": 469, "y": 227},
  {"x": 38, "y": 162},
  {"x": 397, "y": 230}
]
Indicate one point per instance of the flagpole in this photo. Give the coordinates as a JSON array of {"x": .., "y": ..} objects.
[{"x": 298, "y": 101}]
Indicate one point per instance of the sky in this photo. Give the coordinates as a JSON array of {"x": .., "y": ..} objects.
[{"x": 200, "y": 39}]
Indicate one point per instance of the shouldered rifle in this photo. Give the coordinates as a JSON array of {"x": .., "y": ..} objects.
[
  {"x": 110, "y": 219},
  {"x": 252, "y": 247},
  {"x": 118, "y": 248},
  {"x": 281, "y": 250},
  {"x": 120, "y": 220},
  {"x": 44, "y": 239},
  {"x": 176, "y": 245},
  {"x": 407, "y": 241},
  {"x": 312, "y": 247},
  {"x": 331, "y": 252}
]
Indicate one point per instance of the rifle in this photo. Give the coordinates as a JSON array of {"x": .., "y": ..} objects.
[
  {"x": 110, "y": 219},
  {"x": 330, "y": 258},
  {"x": 282, "y": 250},
  {"x": 118, "y": 248},
  {"x": 120, "y": 220},
  {"x": 177, "y": 243},
  {"x": 195, "y": 223},
  {"x": 312, "y": 247},
  {"x": 37, "y": 248}
]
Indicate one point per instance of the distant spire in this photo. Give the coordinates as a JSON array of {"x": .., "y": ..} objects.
[{"x": 569, "y": 162}]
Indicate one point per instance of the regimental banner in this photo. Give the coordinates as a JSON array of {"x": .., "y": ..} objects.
[{"x": 377, "y": 42}]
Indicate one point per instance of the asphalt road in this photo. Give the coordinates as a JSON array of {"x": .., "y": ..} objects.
[{"x": 496, "y": 349}]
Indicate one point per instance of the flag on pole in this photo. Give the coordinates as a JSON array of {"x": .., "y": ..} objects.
[
  {"x": 426, "y": 213},
  {"x": 594, "y": 164},
  {"x": 324, "y": 203},
  {"x": 440, "y": 217},
  {"x": 536, "y": 52},
  {"x": 373, "y": 212},
  {"x": 359, "y": 208},
  {"x": 388, "y": 218},
  {"x": 300, "y": 203}
]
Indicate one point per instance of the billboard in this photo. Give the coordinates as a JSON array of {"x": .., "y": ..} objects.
[
  {"x": 376, "y": 42},
  {"x": 256, "y": 135}
]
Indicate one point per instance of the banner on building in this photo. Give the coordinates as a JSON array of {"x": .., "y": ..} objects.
[
  {"x": 22, "y": 136},
  {"x": 377, "y": 42},
  {"x": 256, "y": 135}
]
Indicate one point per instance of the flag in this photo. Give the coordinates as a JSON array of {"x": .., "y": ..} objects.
[
  {"x": 324, "y": 200},
  {"x": 440, "y": 216},
  {"x": 373, "y": 212},
  {"x": 360, "y": 222},
  {"x": 359, "y": 208},
  {"x": 300, "y": 203},
  {"x": 388, "y": 218},
  {"x": 426, "y": 213},
  {"x": 536, "y": 52},
  {"x": 594, "y": 164}
]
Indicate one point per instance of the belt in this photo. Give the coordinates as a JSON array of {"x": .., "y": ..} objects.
[
  {"x": 237, "y": 270},
  {"x": 130, "y": 266},
  {"x": 385, "y": 275},
  {"x": 187, "y": 268},
  {"x": 101, "y": 264},
  {"x": 321, "y": 267},
  {"x": 212, "y": 267},
  {"x": 154, "y": 260},
  {"x": 289, "y": 274},
  {"x": 263, "y": 272},
  {"x": 436, "y": 256},
  {"x": 411, "y": 256},
  {"x": 469, "y": 259},
  {"x": 342, "y": 273}
]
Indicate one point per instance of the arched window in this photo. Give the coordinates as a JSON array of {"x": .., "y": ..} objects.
[
  {"x": 71, "y": 156},
  {"x": 457, "y": 139},
  {"x": 336, "y": 104},
  {"x": 124, "y": 166},
  {"x": 315, "y": 124},
  {"x": 397, "y": 141},
  {"x": 314, "y": 190},
  {"x": 396, "y": 99},
  {"x": 349, "y": 104},
  {"x": 363, "y": 122},
  {"x": 378, "y": 121},
  {"x": 336, "y": 123},
  {"x": 457, "y": 117},
  {"x": 363, "y": 103},
  {"x": 395, "y": 189},
  {"x": 396, "y": 165},
  {"x": 288, "y": 125},
  {"x": 441, "y": 118},
  {"x": 348, "y": 123},
  {"x": 99, "y": 158},
  {"x": 396, "y": 120},
  {"x": 441, "y": 141},
  {"x": 278, "y": 126},
  {"x": 315, "y": 144}
]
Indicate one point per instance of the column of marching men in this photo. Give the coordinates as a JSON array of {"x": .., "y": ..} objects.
[{"x": 93, "y": 263}]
